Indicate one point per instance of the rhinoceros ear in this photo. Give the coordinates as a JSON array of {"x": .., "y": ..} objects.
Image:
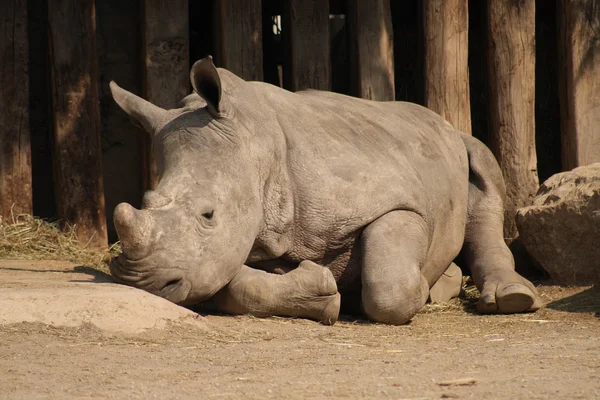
[
  {"x": 207, "y": 83},
  {"x": 151, "y": 117}
]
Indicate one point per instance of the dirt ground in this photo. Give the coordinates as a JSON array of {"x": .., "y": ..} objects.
[{"x": 445, "y": 352}]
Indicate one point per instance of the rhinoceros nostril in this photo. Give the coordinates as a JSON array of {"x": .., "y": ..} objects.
[
  {"x": 175, "y": 290},
  {"x": 172, "y": 282},
  {"x": 171, "y": 289}
]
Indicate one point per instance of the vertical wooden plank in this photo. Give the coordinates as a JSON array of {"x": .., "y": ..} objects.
[
  {"x": 76, "y": 118},
  {"x": 445, "y": 28},
  {"x": 166, "y": 65},
  {"x": 239, "y": 38},
  {"x": 511, "y": 66},
  {"x": 371, "y": 41},
  {"x": 306, "y": 34},
  {"x": 15, "y": 148},
  {"x": 579, "y": 81}
]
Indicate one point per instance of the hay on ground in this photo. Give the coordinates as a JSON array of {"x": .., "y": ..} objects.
[{"x": 24, "y": 237}]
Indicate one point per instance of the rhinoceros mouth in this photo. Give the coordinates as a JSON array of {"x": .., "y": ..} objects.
[{"x": 166, "y": 283}]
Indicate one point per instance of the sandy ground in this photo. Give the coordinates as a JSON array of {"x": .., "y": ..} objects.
[{"x": 445, "y": 352}]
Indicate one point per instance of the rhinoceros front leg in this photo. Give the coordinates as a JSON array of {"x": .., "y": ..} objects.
[
  {"x": 394, "y": 249},
  {"x": 308, "y": 291}
]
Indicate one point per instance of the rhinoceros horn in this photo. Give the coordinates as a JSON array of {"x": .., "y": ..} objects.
[
  {"x": 152, "y": 117},
  {"x": 134, "y": 228}
]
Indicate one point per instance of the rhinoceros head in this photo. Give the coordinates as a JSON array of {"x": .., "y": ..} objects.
[{"x": 195, "y": 230}]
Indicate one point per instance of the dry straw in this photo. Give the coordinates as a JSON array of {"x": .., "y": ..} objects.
[{"x": 28, "y": 238}]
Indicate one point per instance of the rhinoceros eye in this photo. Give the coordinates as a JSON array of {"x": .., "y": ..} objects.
[{"x": 208, "y": 215}]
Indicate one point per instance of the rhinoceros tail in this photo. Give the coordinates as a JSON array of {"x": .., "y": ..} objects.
[{"x": 484, "y": 172}]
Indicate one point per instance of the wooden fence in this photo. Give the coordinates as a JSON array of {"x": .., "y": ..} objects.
[{"x": 69, "y": 153}]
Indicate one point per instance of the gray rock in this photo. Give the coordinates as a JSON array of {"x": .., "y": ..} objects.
[{"x": 562, "y": 227}]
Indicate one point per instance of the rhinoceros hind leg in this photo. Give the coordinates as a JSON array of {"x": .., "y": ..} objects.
[
  {"x": 491, "y": 263},
  {"x": 394, "y": 248},
  {"x": 447, "y": 286}
]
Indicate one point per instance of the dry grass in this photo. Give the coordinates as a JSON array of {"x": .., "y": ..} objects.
[
  {"x": 467, "y": 300},
  {"x": 24, "y": 237}
]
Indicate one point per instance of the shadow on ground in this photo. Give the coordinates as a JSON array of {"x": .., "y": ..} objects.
[
  {"x": 587, "y": 301},
  {"x": 98, "y": 276}
]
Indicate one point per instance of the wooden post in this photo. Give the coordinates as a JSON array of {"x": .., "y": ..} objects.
[
  {"x": 511, "y": 67},
  {"x": 15, "y": 148},
  {"x": 306, "y": 32},
  {"x": 76, "y": 119},
  {"x": 579, "y": 81},
  {"x": 371, "y": 49},
  {"x": 239, "y": 38},
  {"x": 166, "y": 65},
  {"x": 446, "y": 27}
]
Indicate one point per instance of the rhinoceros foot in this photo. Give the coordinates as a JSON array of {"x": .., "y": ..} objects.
[
  {"x": 448, "y": 286},
  {"x": 315, "y": 292},
  {"x": 507, "y": 293}
]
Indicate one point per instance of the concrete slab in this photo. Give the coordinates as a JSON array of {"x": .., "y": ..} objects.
[{"x": 59, "y": 293}]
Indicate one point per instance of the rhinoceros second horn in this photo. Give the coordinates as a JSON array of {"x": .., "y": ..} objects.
[{"x": 152, "y": 117}]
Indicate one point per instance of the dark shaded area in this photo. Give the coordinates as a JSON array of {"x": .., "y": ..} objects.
[
  {"x": 478, "y": 74},
  {"x": 338, "y": 43},
  {"x": 201, "y": 27},
  {"x": 547, "y": 102},
  {"x": 272, "y": 44},
  {"x": 44, "y": 204},
  {"x": 99, "y": 276},
  {"x": 340, "y": 54},
  {"x": 407, "y": 19},
  {"x": 587, "y": 301},
  {"x": 118, "y": 44},
  {"x": 54, "y": 271},
  {"x": 524, "y": 263}
]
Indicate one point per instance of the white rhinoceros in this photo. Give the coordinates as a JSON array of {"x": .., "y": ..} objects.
[{"x": 260, "y": 189}]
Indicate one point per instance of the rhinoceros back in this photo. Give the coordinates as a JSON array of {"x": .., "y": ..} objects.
[{"x": 353, "y": 160}]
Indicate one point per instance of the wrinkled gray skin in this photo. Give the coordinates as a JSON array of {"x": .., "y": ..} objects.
[{"x": 275, "y": 203}]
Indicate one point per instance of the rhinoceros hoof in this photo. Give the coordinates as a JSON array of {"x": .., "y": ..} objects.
[
  {"x": 331, "y": 310},
  {"x": 510, "y": 298},
  {"x": 315, "y": 292}
]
